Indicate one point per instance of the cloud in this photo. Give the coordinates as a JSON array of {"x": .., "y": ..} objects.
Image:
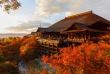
[
  {"x": 70, "y": 7},
  {"x": 28, "y": 27},
  {"x": 48, "y": 7}
]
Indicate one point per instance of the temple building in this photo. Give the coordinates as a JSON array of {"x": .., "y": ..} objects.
[
  {"x": 77, "y": 28},
  {"x": 82, "y": 26}
]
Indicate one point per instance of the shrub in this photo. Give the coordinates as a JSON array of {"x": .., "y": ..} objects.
[
  {"x": 8, "y": 68},
  {"x": 86, "y": 58},
  {"x": 44, "y": 71}
]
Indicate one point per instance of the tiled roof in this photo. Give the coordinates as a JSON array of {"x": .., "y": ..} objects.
[{"x": 86, "y": 19}]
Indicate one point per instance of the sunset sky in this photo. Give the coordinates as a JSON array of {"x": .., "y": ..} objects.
[{"x": 46, "y": 12}]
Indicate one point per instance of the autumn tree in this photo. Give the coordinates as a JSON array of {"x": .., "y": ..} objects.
[
  {"x": 84, "y": 59},
  {"x": 44, "y": 71},
  {"x": 8, "y": 68},
  {"x": 29, "y": 49},
  {"x": 2, "y": 58},
  {"x": 10, "y": 4},
  {"x": 9, "y": 52}
]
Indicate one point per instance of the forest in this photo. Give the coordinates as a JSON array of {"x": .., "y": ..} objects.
[
  {"x": 12, "y": 48},
  {"x": 88, "y": 58}
]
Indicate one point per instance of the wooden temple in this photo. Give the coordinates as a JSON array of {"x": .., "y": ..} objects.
[{"x": 73, "y": 29}]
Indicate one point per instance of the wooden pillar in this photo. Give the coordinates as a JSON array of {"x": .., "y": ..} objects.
[
  {"x": 85, "y": 38},
  {"x": 68, "y": 36},
  {"x": 48, "y": 49},
  {"x": 42, "y": 48},
  {"x": 89, "y": 36},
  {"x": 82, "y": 36},
  {"x": 49, "y": 36},
  {"x": 53, "y": 48},
  {"x": 45, "y": 49}
]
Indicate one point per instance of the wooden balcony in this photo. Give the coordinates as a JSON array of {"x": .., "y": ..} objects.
[{"x": 48, "y": 46}]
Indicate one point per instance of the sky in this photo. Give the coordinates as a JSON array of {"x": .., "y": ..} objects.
[{"x": 34, "y": 13}]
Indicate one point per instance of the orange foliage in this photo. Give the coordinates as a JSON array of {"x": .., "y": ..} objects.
[
  {"x": 29, "y": 49},
  {"x": 22, "y": 39},
  {"x": 87, "y": 59},
  {"x": 44, "y": 72}
]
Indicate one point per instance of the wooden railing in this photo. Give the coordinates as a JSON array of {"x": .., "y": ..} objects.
[
  {"x": 48, "y": 40},
  {"x": 74, "y": 40}
]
